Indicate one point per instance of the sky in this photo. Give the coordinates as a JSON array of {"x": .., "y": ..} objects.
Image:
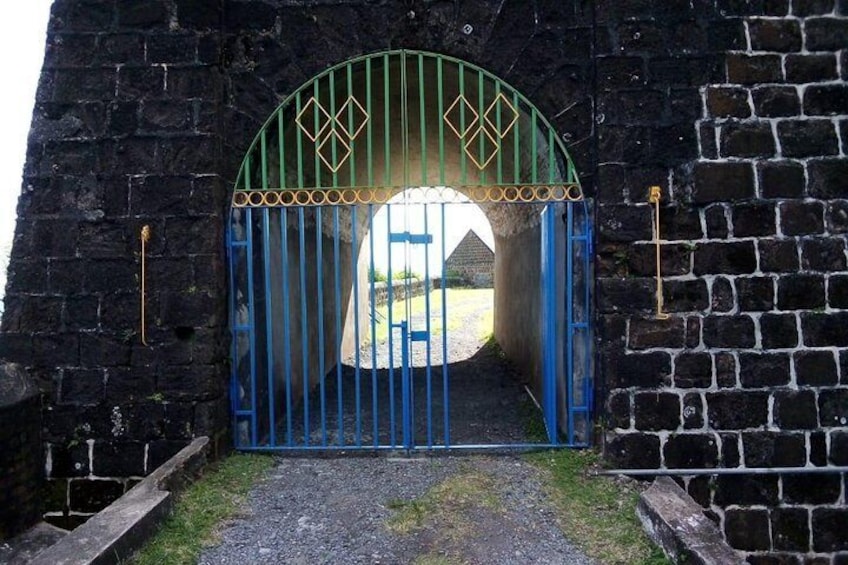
[{"x": 21, "y": 54}]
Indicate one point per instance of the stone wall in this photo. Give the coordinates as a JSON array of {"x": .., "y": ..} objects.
[{"x": 735, "y": 108}]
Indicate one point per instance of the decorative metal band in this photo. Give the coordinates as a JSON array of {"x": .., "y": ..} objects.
[
  {"x": 417, "y": 195},
  {"x": 486, "y": 131},
  {"x": 328, "y": 132}
]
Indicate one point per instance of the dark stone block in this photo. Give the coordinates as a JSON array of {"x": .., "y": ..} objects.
[
  {"x": 781, "y": 179},
  {"x": 804, "y": 8},
  {"x": 778, "y": 255},
  {"x": 763, "y": 369},
  {"x": 801, "y": 218},
  {"x": 118, "y": 459},
  {"x": 693, "y": 370},
  {"x": 198, "y": 14},
  {"x": 693, "y": 332},
  {"x": 839, "y": 447},
  {"x": 626, "y": 295},
  {"x": 747, "y": 529},
  {"x": 649, "y": 333},
  {"x": 722, "y": 295},
  {"x": 776, "y": 101},
  {"x": 753, "y": 220},
  {"x": 753, "y": 69},
  {"x": 773, "y": 559},
  {"x": 686, "y": 295},
  {"x": 833, "y": 408},
  {"x": 837, "y": 291},
  {"x": 657, "y": 411},
  {"x": 693, "y": 411},
  {"x": 755, "y": 294},
  {"x": 810, "y": 68},
  {"x": 715, "y": 217},
  {"x": 690, "y": 451},
  {"x": 152, "y": 14},
  {"x": 722, "y": 182},
  {"x": 725, "y": 34},
  {"x": 618, "y": 410},
  {"x": 828, "y": 178},
  {"x": 795, "y": 410},
  {"x": 807, "y": 138},
  {"x": 172, "y": 49},
  {"x": 725, "y": 368},
  {"x": 826, "y": 100},
  {"x": 815, "y": 368},
  {"x": 81, "y": 387},
  {"x": 729, "y": 331},
  {"x": 825, "y": 330},
  {"x": 775, "y": 35},
  {"x": 160, "y": 451},
  {"x": 826, "y": 34},
  {"x": 774, "y": 449},
  {"x": 811, "y": 489},
  {"x": 707, "y": 137},
  {"x": 830, "y": 529},
  {"x": 737, "y": 410},
  {"x": 70, "y": 460},
  {"x": 747, "y": 140},
  {"x": 641, "y": 259},
  {"x": 746, "y": 490},
  {"x": 822, "y": 254},
  {"x": 730, "y": 450},
  {"x": 634, "y": 451},
  {"x": 818, "y": 449},
  {"x": 800, "y": 292},
  {"x": 728, "y": 102},
  {"x": 790, "y": 529},
  {"x": 88, "y": 495},
  {"x": 136, "y": 83},
  {"x": 645, "y": 370},
  {"x": 725, "y": 258}
]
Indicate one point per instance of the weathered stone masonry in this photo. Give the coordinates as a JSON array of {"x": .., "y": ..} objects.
[{"x": 737, "y": 109}]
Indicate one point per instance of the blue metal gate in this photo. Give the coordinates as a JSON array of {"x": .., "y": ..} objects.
[{"x": 316, "y": 364}]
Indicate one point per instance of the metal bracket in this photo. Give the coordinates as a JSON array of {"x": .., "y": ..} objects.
[
  {"x": 654, "y": 198},
  {"x": 412, "y": 238},
  {"x": 145, "y": 237}
]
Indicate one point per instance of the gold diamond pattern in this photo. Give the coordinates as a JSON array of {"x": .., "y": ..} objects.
[
  {"x": 482, "y": 130},
  {"x": 332, "y": 130}
]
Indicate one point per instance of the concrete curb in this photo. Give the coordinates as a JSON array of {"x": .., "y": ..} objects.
[
  {"x": 113, "y": 533},
  {"x": 679, "y": 526}
]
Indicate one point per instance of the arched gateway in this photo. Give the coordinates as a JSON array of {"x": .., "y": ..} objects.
[{"x": 410, "y": 133}]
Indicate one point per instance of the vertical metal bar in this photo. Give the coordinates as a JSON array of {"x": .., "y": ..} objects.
[
  {"x": 516, "y": 138},
  {"x": 481, "y": 108},
  {"x": 368, "y": 125},
  {"x": 422, "y": 119},
  {"x": 304, "y": 336},
  {"x": 339, "y": 336},
  {"x": 231, "y": 252},
  {"x": 352, "y": 158},
  {"x": 252, "y": 317},
  {"x": 534, "y": 159},
  {"x": 333, "y": 122},
  {"x": 569, "y": 319},
  {"x": 445, "y": 395},
  {"x": 269, "y": 325},
  {"x": 263, "y": 147},
  {"x": 319, "y": 284},
  {"x": 587, "y": 337},
  {"x": 441, "y": 103},
  {"x": 550, "y": 220},
  {"x": 552, "y": 169},
  {"x": 404, "y": 352},
  {"x": 391, "y": 330},
  {"x": 284, "y": 238},
  {"x": 404, "y": 118},
  {"x": 354, "y": 255},
  {"x": 316, "y": 125},
  {"x": 462, "y": 165},
  {"x": 499, "y": 125},
  {"x": 387, "y": 147},
  {"x": 299, "y": 138},
  {"x": 429, "y": 371},
  {"x": 373, "y": 318},
  {"x": 281, "y": 140}
]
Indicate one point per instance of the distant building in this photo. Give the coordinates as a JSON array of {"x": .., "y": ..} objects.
[{"x": 472, "y": 261}]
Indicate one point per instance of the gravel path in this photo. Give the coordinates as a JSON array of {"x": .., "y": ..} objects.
[{"x": 466, "y": 510}]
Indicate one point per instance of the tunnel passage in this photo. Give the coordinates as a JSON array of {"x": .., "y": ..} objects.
[{"x": 300, "y": 244}]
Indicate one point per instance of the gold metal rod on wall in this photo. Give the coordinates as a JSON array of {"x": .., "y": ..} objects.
[
  {"x": 145, "y": 237},
  {"x": 654, "y": 198}
]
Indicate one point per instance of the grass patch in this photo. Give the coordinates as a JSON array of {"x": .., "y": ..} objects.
[
  {"x": 217, "y": 496},
  {"x": 445, "y": 505},
  {"x": 597, "y": 512}
]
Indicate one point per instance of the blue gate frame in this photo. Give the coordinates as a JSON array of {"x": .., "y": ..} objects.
[{"x": 302, "y": 211}]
